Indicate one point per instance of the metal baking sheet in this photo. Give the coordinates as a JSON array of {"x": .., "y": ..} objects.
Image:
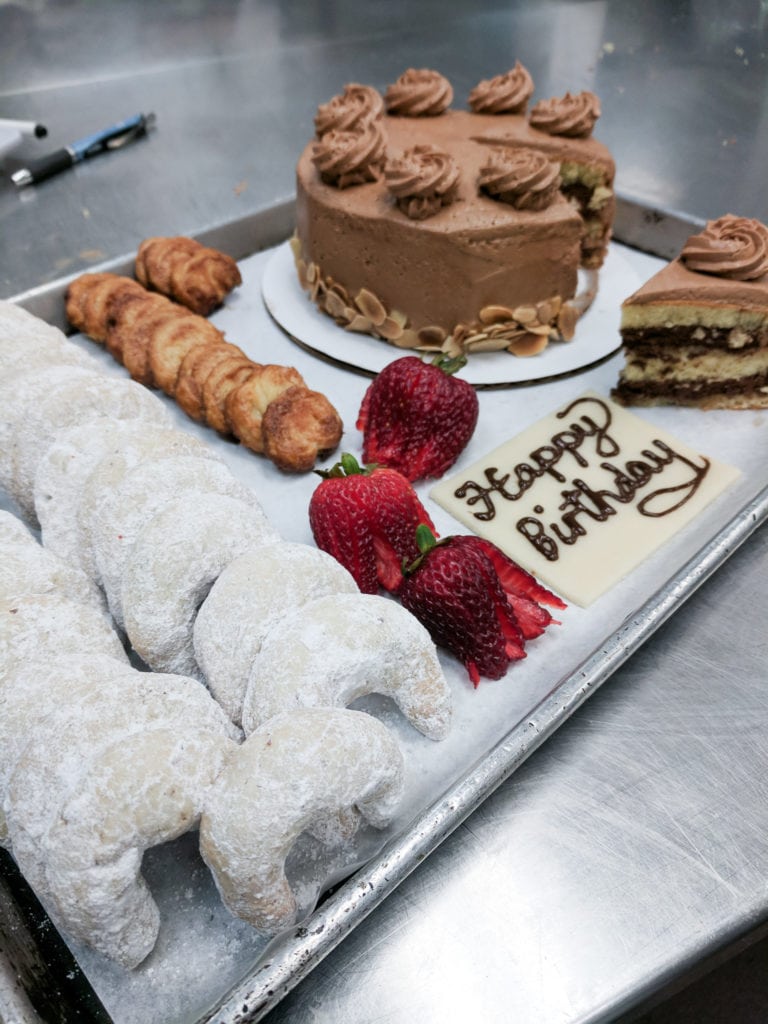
[{"x": 211, "y": 968}]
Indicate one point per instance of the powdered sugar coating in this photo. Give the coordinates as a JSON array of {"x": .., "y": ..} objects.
[
  {"x": 101, "y": 781},
  {"x": 141, "y": 493},
  {"x": 174, "y": 561},
  {"x": 145, "y": 441},
  {"x": 20, "y": 392},
  {"x": 250, "y": 597},
  {"x": 38, "y": 690},
  {"x": 63, "y": 472},
  {"x": 298, "y": 769},
  {"x": 67, "y": 403},
  {"x": 42, "y": 627},
  {"x": 27, "y": 568},
  {"x": 332, "y": 650}
]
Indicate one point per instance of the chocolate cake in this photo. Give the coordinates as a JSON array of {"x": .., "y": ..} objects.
[
  {"x": 696, "y": 333},
  {"x": 459, "y": 230}
]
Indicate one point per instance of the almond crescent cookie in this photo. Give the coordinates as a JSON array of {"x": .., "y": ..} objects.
[
  {"x": 99, "y": 783},
  {"x": 69, "y": 401},
  {"x": 335, "y": 649},
  {"x": 253, "y": 593},
  {"x": 176, "y": 558},
  {"x": 21, "y": 391},
  {"x": 63, "y": 472},
  {"x": 26, "y": 567},
  {"x": 37, "y": 627},
  {"x": 97, "y": 513},
  {"x": 141, "y": 494},
  {"x": 195, "y": 275},
  {"x": 34, "y": 692},
  {"x": 297, "y": 770}
]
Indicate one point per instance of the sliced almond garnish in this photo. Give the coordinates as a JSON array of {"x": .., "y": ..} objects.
[
  {"x": 525, "y": 314},
  {"x": 566, "y": 321},
  {"x": 359, "y": 323},
  {"x": 495, "y": 314},
  {"x": 301, "y": 270},
  {"x": 295, "y": 247},
  {"x": 398, "y": 317},
  {"x": 390, "y": 329},
  {"x": 529, "y": 345},
  {"x": 313, "y": 272},
  {"x": 432, "y": 335},
  {"x": 370, "y": 306},
  {"x": 485, "y": 344},
  {"x": 335, "y": 305},
  {"x": 408, "y": 339}
]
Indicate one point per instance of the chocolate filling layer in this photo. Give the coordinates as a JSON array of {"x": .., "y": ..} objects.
[
  {"x": 653, "y": 343},
  {"x": 701, "y": 389}
]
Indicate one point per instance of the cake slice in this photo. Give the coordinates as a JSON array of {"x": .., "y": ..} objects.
[{"x": 696, "y": 333}]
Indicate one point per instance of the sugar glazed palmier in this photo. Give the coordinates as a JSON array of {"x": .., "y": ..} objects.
[
  {"x": 268, "y": 408},
  {"x": 198, "y": 277}
]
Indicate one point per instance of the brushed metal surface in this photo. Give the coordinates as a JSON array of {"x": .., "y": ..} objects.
[{"x": 632, "y": 844}]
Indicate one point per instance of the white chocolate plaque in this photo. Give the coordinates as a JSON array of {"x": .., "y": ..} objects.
[{"x": 584, "y": 495}]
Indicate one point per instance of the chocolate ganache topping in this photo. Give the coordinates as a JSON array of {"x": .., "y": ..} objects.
[
  {"x": 524, "y": 178},
  {"x": 350, "y": 111},
  {"x": 419, "y": 93},
  {"x": 350, "y": 158},
  {"x": 573, "y": 116},
  {"x": 734, "y": 247},
  {"x": 422, "y": 180},
  {"x": 505, "y": 94}
]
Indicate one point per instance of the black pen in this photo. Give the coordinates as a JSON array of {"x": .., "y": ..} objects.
[{"x": 114, "y": 137}]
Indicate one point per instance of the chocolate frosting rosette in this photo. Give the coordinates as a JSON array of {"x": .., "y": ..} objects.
[
  {"x": 419, "y": 93},
  {"x": 733, "y": 247},
  {"x": 569, "y": 115},
  {"x": 505, "y": 94},
  {"x": 352, "y": 110},
  {"x": 423, "y": 180},
  {"x": 524, "y": 178},
  {"x": 350, "y": 158}
]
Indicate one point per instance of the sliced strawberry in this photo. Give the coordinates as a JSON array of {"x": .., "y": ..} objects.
[
  {"x": 453, "y": 590},
  {"x": 517, "y": 580},
  {"x": 366, "y": 517},
  {"x": 416, "y": 417}
]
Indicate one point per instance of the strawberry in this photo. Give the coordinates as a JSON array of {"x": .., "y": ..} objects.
[
  {"x": 367, "y": 519},
  {"x": 458, "y": 589},
  {"x": 416, "y": 417}
]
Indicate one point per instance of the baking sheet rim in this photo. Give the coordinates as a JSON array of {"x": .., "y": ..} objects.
[{"x": 293, "y": 956}]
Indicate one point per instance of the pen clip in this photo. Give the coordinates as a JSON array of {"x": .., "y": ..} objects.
[{"x": 146, "y": 122}]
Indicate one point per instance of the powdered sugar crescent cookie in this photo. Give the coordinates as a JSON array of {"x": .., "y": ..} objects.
[
  {"x": 20, "y": 392},
  {"x": 331, "y": 651},
  {"x": 35, "y": 692},
  {"x": 65, "y": 467},
  {"x": 16, "y": 323},
  {"x": 39, "y": 627},
  {"x": 27, "y": 342},
  {"x": 143, "y": 491},
  {"x": 68, "y": 403},
  {"x": 145, "y": 441},
  {"x": 26, "y": 567},
  {"x": 101, "y": 782},
  {"x": 295, "y": 770},
  {"x": 174, "y": 561},
  {"x": 249, "y": 598}
]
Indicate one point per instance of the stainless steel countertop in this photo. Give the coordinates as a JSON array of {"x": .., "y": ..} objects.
[{"x": 632, "y": 845}]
